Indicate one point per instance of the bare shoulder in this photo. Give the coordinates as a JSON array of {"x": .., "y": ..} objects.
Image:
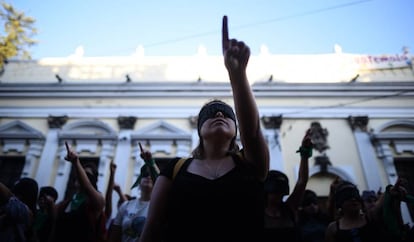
[{"x": 162, "y": 186}]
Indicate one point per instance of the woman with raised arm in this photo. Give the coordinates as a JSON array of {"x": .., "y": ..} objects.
[
  {"x": 217, "y": 193},
  {"x": 81, "y": 218},
  {"x": 129, "y": 221}
]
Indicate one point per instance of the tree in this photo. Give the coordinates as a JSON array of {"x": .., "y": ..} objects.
[{"x": 17, "y": 34}]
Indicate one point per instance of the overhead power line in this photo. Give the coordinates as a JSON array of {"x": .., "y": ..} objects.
[
  {"x": 339, "y": 105},
  {"x": 250, "y": 25}
]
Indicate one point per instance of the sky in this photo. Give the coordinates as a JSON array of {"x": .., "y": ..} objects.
[{"x": 179, "y": 27}]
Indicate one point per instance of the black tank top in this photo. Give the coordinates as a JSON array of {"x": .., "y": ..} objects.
[
  {"x": 366, "y": 233},
  {"x": 229, "y": 208}
]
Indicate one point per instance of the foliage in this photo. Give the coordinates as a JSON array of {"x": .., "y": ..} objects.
[{"x": 17, "y": 34}]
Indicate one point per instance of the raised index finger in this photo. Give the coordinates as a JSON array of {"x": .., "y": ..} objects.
[
  {"x": 67, "y": 146},
  {"x": 225, "y": 34},
  {"x": 140, "y": 146}
]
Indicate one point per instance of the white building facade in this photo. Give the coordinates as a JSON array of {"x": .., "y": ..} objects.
[{"x": 361, "y": 105}]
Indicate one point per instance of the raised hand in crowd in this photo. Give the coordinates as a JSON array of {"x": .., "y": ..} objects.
[{"x": 216, "y": 193}]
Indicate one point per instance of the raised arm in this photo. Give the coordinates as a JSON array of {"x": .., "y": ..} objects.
[
  {"x": 305, "y": 151},
  {"x": 159, "y": 197},
  {"x": 387, "y": 209},
  {"x": 109, "y": 190},
  {"x": 96, "y": 199},
  {"x": 236, "y": 56},
  {"x": 147, "y": 157}
]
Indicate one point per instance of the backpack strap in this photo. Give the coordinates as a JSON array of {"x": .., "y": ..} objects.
[{"x": 178, "y": 166}]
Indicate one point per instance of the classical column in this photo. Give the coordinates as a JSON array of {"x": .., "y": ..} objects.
[
  {"x": 123, "y": 151},
  {"x": 272, "y": 135},
  {"x": 367, "y": 154},
  {"x": 105, "y": 157},
  {"x": 50, "y": 148},
  {"x": 33, "y": 153},
  {"x": 63, "y": 172}
]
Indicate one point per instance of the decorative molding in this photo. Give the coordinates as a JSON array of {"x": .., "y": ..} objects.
[
  {"x": 33, "y": 153},
  {"x": 359, "y": 123},
  {"x": 395, "y": 123},
  {"x": 319, "y": 137},
  {"x": 56, "y": 122},
  {"x": 272, "y": 137},
  {"x": 160, "y": 130},
  {"x": 188, "y": 89},
  {"x": 14, "y": 145},
  {"x": 126, "y": 122},
  {"x": 19, "y": 137},
  {"x": 19, "y": 130},
  {"x": 163, "y": 112},
  {"x": 87, "y": 130},
  {"x": 386, "y": 142},
  {"x": 162, "y": 137},
  {"x": 323, "y": 162},
  {"x": 344, "y": 172},
  {"x": 89, "y": 146},
  {"x": 272, "y": 122},
  {"x": 384, "y": 152}
]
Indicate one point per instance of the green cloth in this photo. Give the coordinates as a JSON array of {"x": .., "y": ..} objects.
[
  {"x": 305, "y": 152},
  {"x": 392, "y": 217},
  {"x": 149, "y": 165}
]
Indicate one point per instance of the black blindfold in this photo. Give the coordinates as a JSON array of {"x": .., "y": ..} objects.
[{"x": 210, "y": 110}]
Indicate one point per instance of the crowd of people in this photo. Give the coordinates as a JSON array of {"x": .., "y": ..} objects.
[{"x": 220, "y": 192}]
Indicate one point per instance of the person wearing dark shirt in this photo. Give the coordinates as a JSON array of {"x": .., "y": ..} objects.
[
  {"x": 45, "y": 216},
  {"x": 217, "y": 194},
  {"x": 312, "y": 221},
  {"x": 81, "y": 217},
  {"x": 280, "y": 215}
]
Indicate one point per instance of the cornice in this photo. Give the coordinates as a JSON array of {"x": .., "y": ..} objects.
[
  {"x": 161, "y": 112},
  {"x": 192, "y": 90}
]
